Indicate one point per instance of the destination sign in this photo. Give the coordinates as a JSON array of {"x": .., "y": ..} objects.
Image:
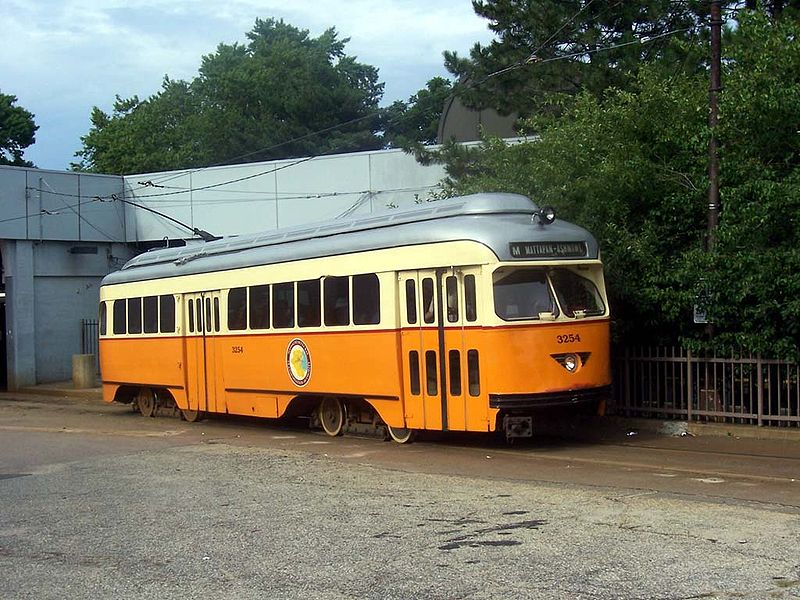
[{"x": 547, "y": 249}]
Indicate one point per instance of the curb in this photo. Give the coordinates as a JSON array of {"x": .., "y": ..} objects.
[
  {"x": 85, "y": 393},
  {"x": 697, "y": 429}
]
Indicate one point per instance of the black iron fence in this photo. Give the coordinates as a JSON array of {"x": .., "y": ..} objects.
[
  {"x": 90, "y": 339},
  {"x": 674, "y": 383}
]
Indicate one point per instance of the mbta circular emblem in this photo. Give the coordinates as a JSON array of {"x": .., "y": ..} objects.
[{"x": 298, "y": 362}]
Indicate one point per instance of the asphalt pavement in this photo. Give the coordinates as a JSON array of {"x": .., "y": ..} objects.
[{"x": 98, "y": 502}]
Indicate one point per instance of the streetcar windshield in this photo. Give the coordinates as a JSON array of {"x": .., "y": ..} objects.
[
  {"x": 577, "y": 295},
  {"x": 528, "y": 293},
  {"x": 522, "y": 294}
]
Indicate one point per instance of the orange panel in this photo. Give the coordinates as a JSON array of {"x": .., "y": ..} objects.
[
  {"x": 518, "y": 360},
  {"x": 141, "y": 361},
  {"x": 253, "y": 371}
]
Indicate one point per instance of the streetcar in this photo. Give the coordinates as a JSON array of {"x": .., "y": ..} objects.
[{"x": 473, "y": 314}]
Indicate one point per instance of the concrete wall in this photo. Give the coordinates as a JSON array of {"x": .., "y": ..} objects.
[{"x": 48, "y": 291}]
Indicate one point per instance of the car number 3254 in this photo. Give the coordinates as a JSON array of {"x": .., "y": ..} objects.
[{"x": 568, "y": 338}]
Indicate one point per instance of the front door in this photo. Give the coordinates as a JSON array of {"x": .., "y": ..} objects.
[
  {"x": 439, "y": 340},
  {"x": 422, "y": 342}
]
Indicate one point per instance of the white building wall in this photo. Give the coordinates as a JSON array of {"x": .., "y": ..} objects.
[{"x": 239, "y": 199}]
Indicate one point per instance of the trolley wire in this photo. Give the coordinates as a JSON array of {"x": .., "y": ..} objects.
[{"x": 531, "y": 60}]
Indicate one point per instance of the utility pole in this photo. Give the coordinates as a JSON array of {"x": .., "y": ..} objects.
[{"x": 713, "y": 117}]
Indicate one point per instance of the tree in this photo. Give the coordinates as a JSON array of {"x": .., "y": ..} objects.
[
  {"x": 17, "y": 132},
  {"x": 526, "y": 62},
  {"x": 630, "y": 166},
  {"x": 417, "y": 121},
  {"x": 259, "y": 101}
]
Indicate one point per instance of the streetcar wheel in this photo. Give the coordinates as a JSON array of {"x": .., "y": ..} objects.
[
  {"x": 331, "y": 416},
  {"x": 401, "y": 435},
  {"x": 146, "y": 401},
  {"x": 192, "y": 416}
]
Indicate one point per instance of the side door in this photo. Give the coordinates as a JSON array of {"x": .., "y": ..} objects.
[
  {"x": 422, "y": 342},
  {"x": 451, "y": 290},
  {"x": 213, "y": 373},
  {"x": 202, "y": 319},
  {"x": 467, "y": 410}
]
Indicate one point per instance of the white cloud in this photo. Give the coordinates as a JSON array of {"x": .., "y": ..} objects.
[{"x": 61, "y": 57}]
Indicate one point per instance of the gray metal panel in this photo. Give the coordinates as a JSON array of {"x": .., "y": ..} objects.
[
  {"x": 54, "y": 199},
  {"x": 38, "y": 204},
  {"x": 12, "y": 204},
  {"x": 490, "y": 219},
  {"x": 101, "y": 221}
]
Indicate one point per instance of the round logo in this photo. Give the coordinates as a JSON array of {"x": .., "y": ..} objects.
[{"x": 298, "y": 362}]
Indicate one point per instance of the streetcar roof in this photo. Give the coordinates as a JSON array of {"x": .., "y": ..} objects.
[{"x": 493, "y": 219}]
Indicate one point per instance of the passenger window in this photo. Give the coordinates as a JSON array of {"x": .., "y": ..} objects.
[
  {"x": 470, "y": 298},
  {"x": 337, "y": 301},
  {"x": 167, "y": 313},
  {"x": 259, "y": 307},
  {"x": 413, "y": 371},
  {"x": 366, "y": 299},
  {"x": 216, "y": 313},
  {"x": 237, "y": 309},
  {"x": 191, "y": 316},
  {"x": 451, "y": 287},
  {"x": 102, "y": 318},
  {"x": 134, "y": 315},
  {"x": 283, "y": 305},
  {"x": 411, "y": 301},
  {"x": 428, "y": 307},
  {"x": 151, "y": 314},
  {"x": 120, "y": 317},
  {"x": 473, "y": 373},
  {"x": 309, "y": 312},
  {"x": 455, "y": 372},
  {"x": 430, "y": 373}
]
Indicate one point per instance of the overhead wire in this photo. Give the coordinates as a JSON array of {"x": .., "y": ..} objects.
[{"x": 531, "y": 60}]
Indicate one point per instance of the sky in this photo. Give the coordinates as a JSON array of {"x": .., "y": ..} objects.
[{"x": 62, "y": 57}]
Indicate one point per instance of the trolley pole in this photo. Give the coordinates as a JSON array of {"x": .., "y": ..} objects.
[{"x": 713, "y": 117}]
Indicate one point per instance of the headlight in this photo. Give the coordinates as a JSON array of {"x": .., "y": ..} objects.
[{"x": 571, "y": 361}]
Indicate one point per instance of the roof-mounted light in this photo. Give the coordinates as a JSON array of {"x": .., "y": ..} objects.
[{"x": 545, "y": 215}]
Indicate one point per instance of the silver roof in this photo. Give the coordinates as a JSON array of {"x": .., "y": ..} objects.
[{"x": 491, "y": 219}]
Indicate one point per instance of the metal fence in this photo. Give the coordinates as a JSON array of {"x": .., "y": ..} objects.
[
  {"x": 90, "y": 339},
  {"x": 674, "y": 383}
]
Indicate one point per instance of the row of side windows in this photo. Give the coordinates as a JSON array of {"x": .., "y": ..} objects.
[
  {"x": 149, "y": 314},
  {"x": 428, "y": 299},
  {"x": 336, "y": 301}
]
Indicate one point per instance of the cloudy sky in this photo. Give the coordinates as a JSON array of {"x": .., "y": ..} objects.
[{"x": 62, "y": 57}]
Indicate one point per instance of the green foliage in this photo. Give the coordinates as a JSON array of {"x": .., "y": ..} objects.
[
  {"x": 245, "y": 103},
  {"x": 755, "y": 276},
  {"x": 17, "y": 132},
  {"x": 417, "y": 121},
  {"x": 631, "y": 166},
  {"x": 519, "y": 69}
]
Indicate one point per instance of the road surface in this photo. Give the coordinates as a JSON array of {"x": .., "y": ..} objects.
[{"x": 97, "y": 501}]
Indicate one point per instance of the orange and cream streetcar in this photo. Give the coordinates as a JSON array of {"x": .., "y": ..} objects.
[{"x": 465, "y": 314}]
